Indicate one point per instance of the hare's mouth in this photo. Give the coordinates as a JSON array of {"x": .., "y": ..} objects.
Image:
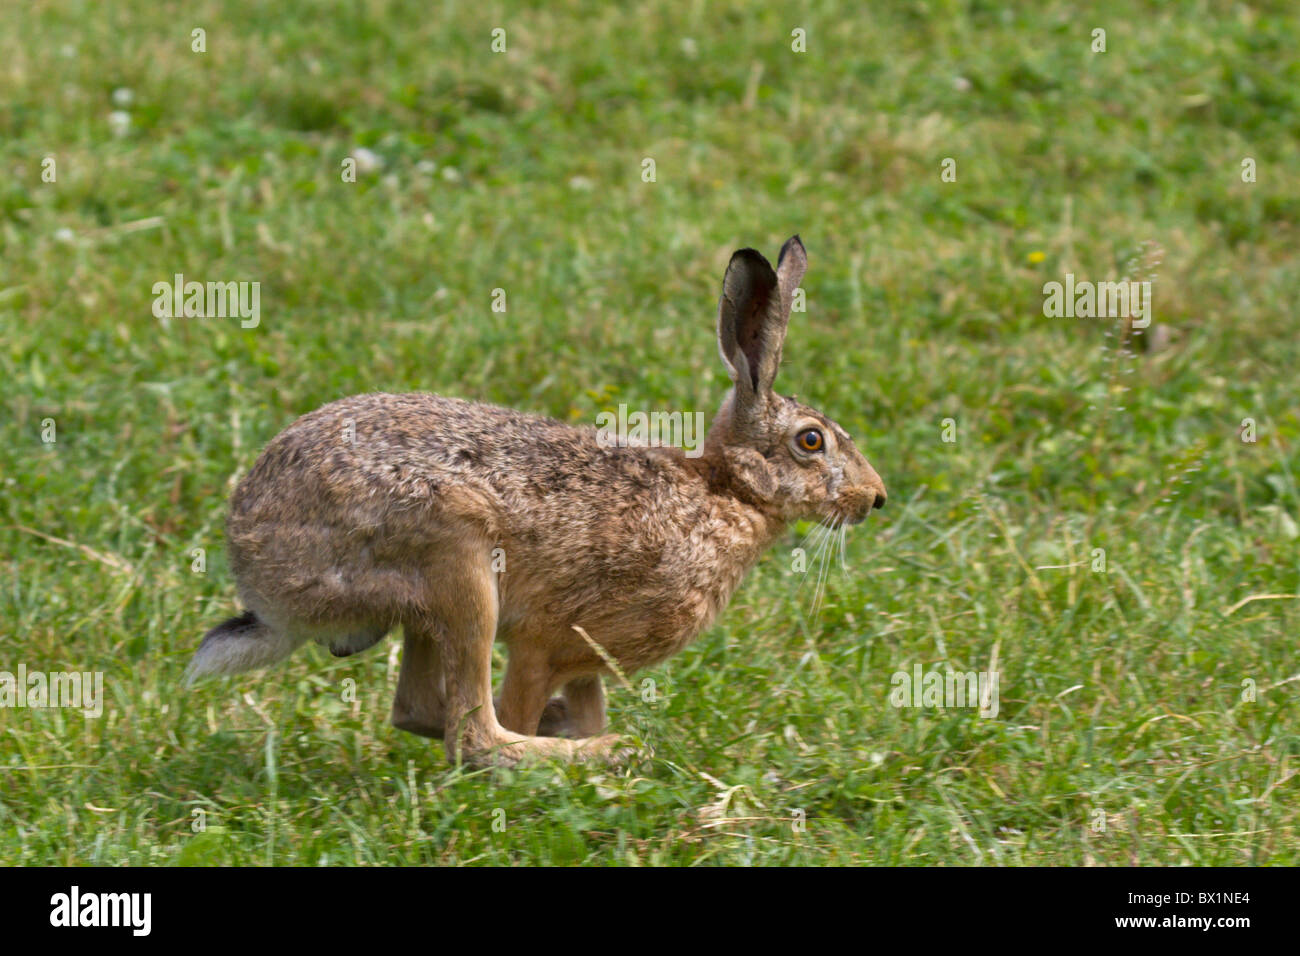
[
  {"x": 854, "y": 513},
  {"x": 855, "y": 506},
  {"x": 849, "y": 516}
]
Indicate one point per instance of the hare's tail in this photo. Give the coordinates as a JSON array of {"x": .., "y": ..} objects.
[{"x": 240, "y": 644}]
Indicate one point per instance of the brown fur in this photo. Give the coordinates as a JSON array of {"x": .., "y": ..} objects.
[{"x": 380, "y": 510}]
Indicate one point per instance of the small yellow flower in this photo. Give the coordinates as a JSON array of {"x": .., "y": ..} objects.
[{"x": 1036, "y": 257}]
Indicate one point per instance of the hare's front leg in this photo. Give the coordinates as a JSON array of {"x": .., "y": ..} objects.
[
  {"x": 420, "y": 705},
  {"x": 523, "y": 706},
  {"x": 525, "y": 690},
  {"x": 464, "y": 612}
]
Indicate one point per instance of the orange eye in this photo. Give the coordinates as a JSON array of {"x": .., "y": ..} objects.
[{"x": 810, "y": 440}]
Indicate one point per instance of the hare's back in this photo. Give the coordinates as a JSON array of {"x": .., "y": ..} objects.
[{"x": 377, "y": 464}]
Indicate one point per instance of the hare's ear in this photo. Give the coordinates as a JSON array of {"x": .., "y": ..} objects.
[
  {"x": 751, "y": 327},
  {"x": 790, "y": 267}
]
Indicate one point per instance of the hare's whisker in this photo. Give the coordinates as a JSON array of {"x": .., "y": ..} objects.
[
  {"x": 816, "y": 556},
  {"x": 818, "y": 527},
  {"x": 812, "y": 532},
  {"x": 820, "y": 589},
  {"x": 830, "y": 556},
  {"x": 811, "y": 560},
  {"x": 816, "y": 544},
  {"x": 824, "y": 555}
]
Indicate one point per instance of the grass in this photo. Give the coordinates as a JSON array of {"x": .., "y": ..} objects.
[{"x": 1126, "y": 732}]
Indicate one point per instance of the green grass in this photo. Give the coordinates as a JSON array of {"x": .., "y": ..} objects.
[{"x": 1121, "y": 692}]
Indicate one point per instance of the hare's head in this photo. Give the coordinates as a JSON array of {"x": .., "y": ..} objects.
[{"x": 781, "y": 454}]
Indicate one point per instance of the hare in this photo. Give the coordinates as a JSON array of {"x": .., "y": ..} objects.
[{"x": 466, "y": 523}]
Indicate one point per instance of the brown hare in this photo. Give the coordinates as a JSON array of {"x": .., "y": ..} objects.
[{"x": 466, "y": 523}]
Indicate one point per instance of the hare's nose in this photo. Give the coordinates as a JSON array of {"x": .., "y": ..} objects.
[{"x": 874, "y": 488}]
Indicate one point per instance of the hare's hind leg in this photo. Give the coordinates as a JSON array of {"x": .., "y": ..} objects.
[
  {"x": 465, "y": 607},
  {"x": 420, "y": 705}
]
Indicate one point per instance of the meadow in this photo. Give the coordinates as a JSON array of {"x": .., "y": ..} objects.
[{"x": 1110, "y": 528}]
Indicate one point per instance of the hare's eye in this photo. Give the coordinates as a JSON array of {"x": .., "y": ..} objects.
[{"x": 810, "y": 439}]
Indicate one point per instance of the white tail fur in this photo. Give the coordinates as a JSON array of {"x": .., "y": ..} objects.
[{"x": 240, "y": 644}]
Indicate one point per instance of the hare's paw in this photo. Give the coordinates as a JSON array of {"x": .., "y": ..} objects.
[
  {"x": 420, "y": 728},
  {"x": 404, "y": 717},
  {"x": 611, "y": 749},
  {"x": 510, "y": 750}
]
